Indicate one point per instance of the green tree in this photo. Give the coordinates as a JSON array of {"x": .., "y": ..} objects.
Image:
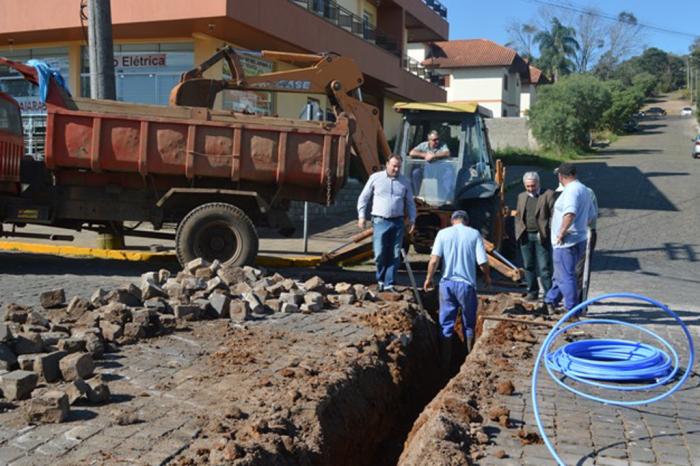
[
  {"x": 695, "y": 53},
  {"x": 646, "y": 83},
  {"x": 558, "y": 48},
  {"x": 566, "y": 112},
  {"x": 624, "y": 102}
]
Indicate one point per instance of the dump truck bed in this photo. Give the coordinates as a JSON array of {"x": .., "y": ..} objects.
[{"x": 305, "y": 160}]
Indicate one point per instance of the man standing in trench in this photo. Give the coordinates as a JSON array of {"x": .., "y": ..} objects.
[
  {"x": 391, "y": 197},
  {"x": 461, "y": 248}
]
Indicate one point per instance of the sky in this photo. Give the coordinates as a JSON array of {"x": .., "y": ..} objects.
[{"x": 471, "y": 19}]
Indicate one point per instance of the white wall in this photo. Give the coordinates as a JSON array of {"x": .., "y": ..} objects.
[
  {"x": 485, "y": 85},
  {"x": 527, "y": 98},
  {"x": 416, "y": 50}
]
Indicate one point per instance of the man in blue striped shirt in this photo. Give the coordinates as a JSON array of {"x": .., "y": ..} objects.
[{"x": 391, "y": 197}]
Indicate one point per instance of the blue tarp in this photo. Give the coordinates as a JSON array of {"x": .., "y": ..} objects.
[{"x": 45, "y": 72}]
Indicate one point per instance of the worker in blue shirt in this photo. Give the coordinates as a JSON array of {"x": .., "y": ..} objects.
[
  {"x": 391, "y": 198},
  {"x": 460, "y": 247},
  {"x": 573, "y": 211}
]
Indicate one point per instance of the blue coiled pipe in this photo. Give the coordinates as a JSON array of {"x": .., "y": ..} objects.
[{"x": 597, "y": 361}]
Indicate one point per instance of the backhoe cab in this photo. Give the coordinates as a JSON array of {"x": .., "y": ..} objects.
[{"x": 467, "y": 179}]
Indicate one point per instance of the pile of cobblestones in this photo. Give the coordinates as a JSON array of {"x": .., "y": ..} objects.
[{"x": 47, "y": 356}]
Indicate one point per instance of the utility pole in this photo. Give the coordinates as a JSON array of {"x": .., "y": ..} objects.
[
  {"x": 103, "y": 86},
  {"x": 101, "y": 50}
]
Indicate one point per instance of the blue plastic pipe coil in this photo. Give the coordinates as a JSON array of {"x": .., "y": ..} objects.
[{"x": 600, "y": 362}]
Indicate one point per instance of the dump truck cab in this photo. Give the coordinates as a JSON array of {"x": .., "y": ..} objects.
[{"x": 466, "y": 179}]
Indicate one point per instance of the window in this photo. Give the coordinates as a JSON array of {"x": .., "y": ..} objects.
[
  {"x": 144, "y": 73},
  {"x": 505, "y": 82},
  {"x": 257, "y": 102},
  {"x": 439, "y": 182},
  {"x": 27, "y": 95},
  {"x": 10, "y": 120},
  {"x": 368, "y": 25}
]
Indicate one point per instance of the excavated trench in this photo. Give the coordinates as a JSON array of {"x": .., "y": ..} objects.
[
  {"x": 375, "y": 420},
  {"x": 351, "y": 406},
  {"x": 367, "y": 421}
]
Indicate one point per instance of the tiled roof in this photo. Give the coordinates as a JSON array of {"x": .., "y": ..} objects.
[
  {"x": 536, "y": 76},
  {"x": 470, "y": 53},
  {"x": 474, "y": 53}
]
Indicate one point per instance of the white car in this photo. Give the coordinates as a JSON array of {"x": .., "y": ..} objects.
[
  {"x": 695, "y": 151},
  {"x": 686, "y": 111}
]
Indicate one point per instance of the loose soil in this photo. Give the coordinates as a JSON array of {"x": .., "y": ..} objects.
[{"x": 349, "y": 404}]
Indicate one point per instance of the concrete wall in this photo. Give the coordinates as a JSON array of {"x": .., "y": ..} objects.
[
  {"x": 343, "y": 210},
  {"x": 510, "y": 132}
]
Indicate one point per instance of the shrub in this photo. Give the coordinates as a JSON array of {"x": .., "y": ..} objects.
[
  {"x": 624, "y": 102},
  {"x": 646, "y": 83},
  {"x": 565, "y": 113}
]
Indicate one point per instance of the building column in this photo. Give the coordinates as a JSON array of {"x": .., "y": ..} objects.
[
  {"x": 391, "y": 21},
  {"x": 204, "y": 47},
  {"x": 74, "y": 68}
]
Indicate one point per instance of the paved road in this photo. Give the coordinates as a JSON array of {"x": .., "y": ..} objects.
[
  {"x": 649, "y": 231},
  {"x": 649, "y": 243}
]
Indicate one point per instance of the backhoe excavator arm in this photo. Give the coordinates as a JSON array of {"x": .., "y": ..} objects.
[{"x": 329, "y": 74}]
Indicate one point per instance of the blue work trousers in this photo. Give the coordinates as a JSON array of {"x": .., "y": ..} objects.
[
  {"x": 453, "y": 297},
  {"x": 564, "y": 283},
  {"x": 387, "y": 240}
]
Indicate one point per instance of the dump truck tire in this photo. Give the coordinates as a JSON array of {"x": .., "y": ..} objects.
[{"x": 217, "y": 231}]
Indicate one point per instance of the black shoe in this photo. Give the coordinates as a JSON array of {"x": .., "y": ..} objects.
[
  {"x": 531, "y": 296},
  {"x": 550, "y": 308}
]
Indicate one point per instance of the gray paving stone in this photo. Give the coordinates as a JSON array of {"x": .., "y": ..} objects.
[{"x": 9, "y": 453}]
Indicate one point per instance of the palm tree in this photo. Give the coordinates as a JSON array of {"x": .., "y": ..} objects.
[{"x": 557, "y": 48}]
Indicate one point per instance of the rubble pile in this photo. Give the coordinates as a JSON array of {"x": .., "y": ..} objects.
[{"x": 48, "y": 356}]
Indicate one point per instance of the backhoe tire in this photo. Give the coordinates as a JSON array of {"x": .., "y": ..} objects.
[
  {"x": 482, "y": 215},
  {"x": 217, "y": 231}
]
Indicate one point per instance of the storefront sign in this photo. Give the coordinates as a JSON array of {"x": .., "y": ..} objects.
[
  {"x": 31, "y": 105},
  {"x": 152, "y": 60}
]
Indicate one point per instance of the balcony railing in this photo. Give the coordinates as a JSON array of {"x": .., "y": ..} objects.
[
  {"x": 346, "y": 19},
  {"x": 437, "y": 7},
  {"x": 415, "y": 67}
]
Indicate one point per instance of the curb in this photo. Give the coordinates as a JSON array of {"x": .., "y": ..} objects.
[
  {"x": 142, "y": 256},
  {"x": 76, "y": 251}
]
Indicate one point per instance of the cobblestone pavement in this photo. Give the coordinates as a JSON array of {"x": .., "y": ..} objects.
[
  {"x": 163, "y": 386},
  {"x": 647, "y": 243},
  {"x": 24, "y": 276}
]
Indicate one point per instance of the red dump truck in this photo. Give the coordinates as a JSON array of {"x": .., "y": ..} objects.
[{"x": 214, "y": 174}]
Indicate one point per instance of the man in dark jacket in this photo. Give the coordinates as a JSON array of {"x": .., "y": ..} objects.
[{"x": 532, "y": 225}]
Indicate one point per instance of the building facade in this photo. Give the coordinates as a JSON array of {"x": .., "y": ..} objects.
[
  {"x": 528, "y": 94},
  {"x": 478, "y": 70},
  {"x": 156, "y": 40}
]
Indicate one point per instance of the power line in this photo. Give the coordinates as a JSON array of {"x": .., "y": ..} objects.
[{"x": 591, "y": 12}]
